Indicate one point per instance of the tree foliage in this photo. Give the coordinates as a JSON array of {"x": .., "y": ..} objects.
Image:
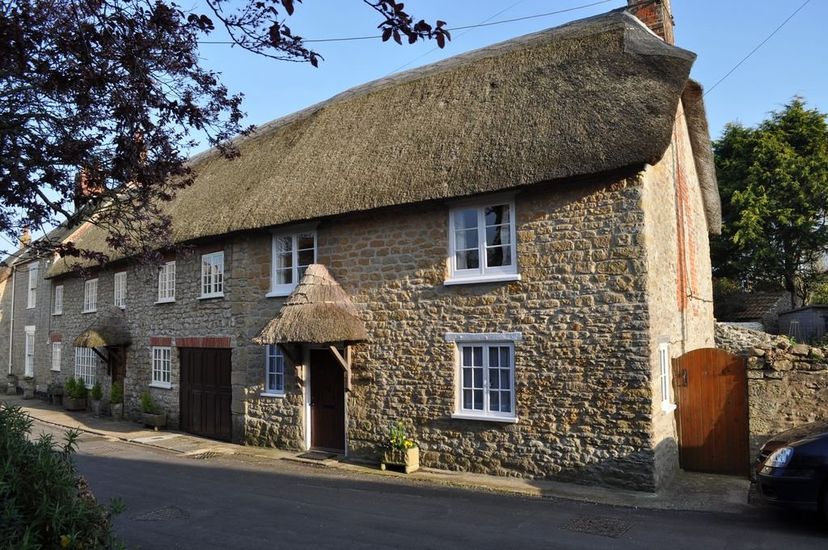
[
  {"x": 773, "y": 181},
  {"x": 100, "y": 100}
]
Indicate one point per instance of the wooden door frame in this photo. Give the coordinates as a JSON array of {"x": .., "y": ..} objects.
[{"x": 306, "y": 354}]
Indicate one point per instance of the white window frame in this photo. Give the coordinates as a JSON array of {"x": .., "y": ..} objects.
[
  {"x": 161, "y": 367},
  {"x": 58, "y": 304},
  {"x": 119, "y": 284},
  {"x": 57, "y": 355},
  {"x": 90, "y": 296},
  {"x": 665, "y": 377},
  {"x": 86, "y": 366},
  {"x": 166, "y": 283},
  {"x": 29, "y": 351},
  {"x": 212, "y": 275},
  {"x": 484, "y": 340},
  {"x": 483, "y": 273},
  {"x": 34, "y": 270},
  {"x": 286, "y": 288},
  {"x": 275, "y": 358}
]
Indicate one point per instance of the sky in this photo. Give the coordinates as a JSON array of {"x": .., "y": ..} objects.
[{"x": 721, "y": 32}]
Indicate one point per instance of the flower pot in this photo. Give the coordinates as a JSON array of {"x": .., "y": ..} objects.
[
  {"x": 96, "y": 406},
  {"x": 28, "y": 388},
  {"x": 406, "y": 459},
  {"x": 117, "y": 410},
  {"x": 74, "y": 403},
  {"x": 154, "y": 420}
]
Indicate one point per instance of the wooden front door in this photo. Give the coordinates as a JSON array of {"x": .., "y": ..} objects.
[
  {"x": 327, "y": 402},
  {"x": 711, "y": 394},
  {"x": 206, "y": 392}
]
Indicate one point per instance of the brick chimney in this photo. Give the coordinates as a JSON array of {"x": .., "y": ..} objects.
[
  {"x": 25, "y": 237},
  {"x": 656, "y": 14},
  {"x": 86, "y": 188}
]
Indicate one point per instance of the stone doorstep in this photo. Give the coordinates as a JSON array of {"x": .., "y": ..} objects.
[{"x": 690, "y": 492}]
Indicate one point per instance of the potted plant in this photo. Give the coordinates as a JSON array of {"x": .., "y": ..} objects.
[
  {"x": 96, "y": 394},
  {"x": 116, "y": 400},
  {"x": 151, "y": 413},
  {"x": 11, "y": 388},
  {"x": 400, "y": 451},
  {"x": 74, "y": 398},
  {"x": 56, "y": 394},
  {"x": 28, "y": 387}
]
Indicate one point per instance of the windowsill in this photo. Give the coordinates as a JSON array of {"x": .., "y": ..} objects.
[
  {"x": 54, "y": 370},
  {"x": 211, "y": 296},
  {"x": 160, "y": 386},
  {"x": 485, "y": 418},
  {"x": 279, "y": 293},
  {"x": 668, "y": 407},
  {"x": 121, "y": 307},
  {"x": 57, "y": 314},
  {"x": 497, "y": 278},
  {"x": 167, "y": 301},
  {"x": 272, "y": 394},
  {"x": 90, "y": 311}
]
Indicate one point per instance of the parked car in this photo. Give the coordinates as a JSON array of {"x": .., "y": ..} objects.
[{"x": 792, "y": 468}]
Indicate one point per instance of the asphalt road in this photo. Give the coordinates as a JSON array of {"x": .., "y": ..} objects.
[{"x": 244, "y": 502}]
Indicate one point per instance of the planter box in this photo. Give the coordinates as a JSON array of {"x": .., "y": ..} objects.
[
  {"x": 96, "y": 406},
  {"x": 408, "y": 460},
  {"x": 154, "y": 420},
  {"x": 117, "y": 410},
  {"x": 73, "y": 404}
]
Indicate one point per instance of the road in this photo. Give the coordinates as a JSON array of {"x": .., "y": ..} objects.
[{"x": 246, "y": 502}]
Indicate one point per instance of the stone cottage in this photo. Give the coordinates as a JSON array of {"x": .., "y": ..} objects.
[{"x": 503, "y": 250}]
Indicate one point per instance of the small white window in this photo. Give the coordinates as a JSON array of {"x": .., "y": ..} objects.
[
  {"x": 482, "y": 244},
  {"x": 166, "y": 282},
  {"x": 58, "y": 306},
  {"x": 56, "y": 353},
  {"x": 161, "y": 367},
  {"x": 120, "y": 289},
  {"x": 667, "y": 404},
  {"x": 86, "y": 365},
  {"x": 90, "y": 296},
  {"x": 486, "y": 381},
  {"x": 29, "y": 352},
  {"x": 33, "y": 272},
  {"x": 212, "y": 275},
  {"x": 292, "y": 254},
  {"x": 274, "y": 371}
]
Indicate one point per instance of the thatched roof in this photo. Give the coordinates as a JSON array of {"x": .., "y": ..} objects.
[
  {"x": 108, "y": 328},
  {"x": 691, "y": 100},
  {"x": 593, "y": 96},
  {"x": 318, "y": 311}
]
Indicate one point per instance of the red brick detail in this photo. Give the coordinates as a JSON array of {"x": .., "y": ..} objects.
[
  {"x": 160, "y": 341},
  {"x": 56, "y": 337},
  {"x": 204, "y": 342},
  {"x": 656, "y": 14}
]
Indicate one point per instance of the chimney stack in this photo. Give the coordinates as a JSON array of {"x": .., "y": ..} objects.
[
  {"x": 656, "y": 14},
  {"x": 25, "y": 237}
]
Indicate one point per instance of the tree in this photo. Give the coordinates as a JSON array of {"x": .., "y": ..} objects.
[
  {"x": 773, "y": 181},
  {"x": 100, "y": 100}
]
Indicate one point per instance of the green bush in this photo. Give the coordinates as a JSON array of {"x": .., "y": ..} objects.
[
  {"x": 45, "y": 503},
  {"x": 116, "y": 395},
  {"x": 75, "y": 388},
  {"x": 97, "y": 392},
  {"x": 148, "y": 405}
]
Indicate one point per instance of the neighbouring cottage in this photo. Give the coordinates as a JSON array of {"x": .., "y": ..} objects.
[{"x": 507, "y": 266}]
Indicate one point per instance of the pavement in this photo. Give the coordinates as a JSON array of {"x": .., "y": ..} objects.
[{"x": 688, "y": 492}]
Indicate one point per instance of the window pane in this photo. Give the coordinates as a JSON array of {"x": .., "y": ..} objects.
[
  {"x": 493, "y": 357},
  {"x": 465, "y": 219},
  {"x": 505, "y": 402},
  {"x": 284, "y": 244},
  {"x": 283, "y": 276},
  {"x": 305, "y": 257},
  {"x": 494, "y": 401},
  {"x": 478, "y": 377},
  {"x": 467, "y": 378},
  {"x": 467, "y": 399},
  {"x": 494, "y": 379},
  {"x": 498, "y": 214},
  {"x": 467, "y": 356},
  {"x": 505, "y": 356},
  {"x": 469, "y": 259},
  {"x": 505, "y": 382},
  {"x": 478, "y": 400},
  {"x": 478, "y": 356},
  {"x": 304, "y": 241},
  {"x": 497, "y": 235},
  {"x": 499, "y": 256},
  {"x": 465, "y": 239}
]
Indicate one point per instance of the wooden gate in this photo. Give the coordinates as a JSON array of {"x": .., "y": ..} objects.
[
  {"x": 711, "y": 394},
  {"x": 206, "y": 392}
]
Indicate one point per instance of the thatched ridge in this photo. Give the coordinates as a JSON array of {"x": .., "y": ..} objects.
[
  {"x": 108, "y": 328},
  {"x": 593, "y": 96},
  {"x": 693, "y": 103},
  {"x": 318, "y": 311}
]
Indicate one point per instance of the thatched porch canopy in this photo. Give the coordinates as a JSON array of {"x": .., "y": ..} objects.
[
  {"x": 318, "y": 311},
  {"x": 108, "y": 328}
]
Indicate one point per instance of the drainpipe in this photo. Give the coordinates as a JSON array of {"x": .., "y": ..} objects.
[{"x": 11, "y": 318}]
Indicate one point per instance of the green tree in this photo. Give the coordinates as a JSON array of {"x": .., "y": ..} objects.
[{"x": 773, "y": 181}]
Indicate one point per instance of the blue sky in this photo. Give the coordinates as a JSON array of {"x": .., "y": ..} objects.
[{"x": 721, "y": 32}]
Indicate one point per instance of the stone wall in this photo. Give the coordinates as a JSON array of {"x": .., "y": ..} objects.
[{"x": 787, "y": 383}]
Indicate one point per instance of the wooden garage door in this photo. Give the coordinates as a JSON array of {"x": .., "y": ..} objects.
[
  {"x": 205, "y": 392},
  {"x": 711, "y": 394}
]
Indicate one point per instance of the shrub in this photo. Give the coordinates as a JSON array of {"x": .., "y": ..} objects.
[
  {"x": 97, "y": 392},
  {"x": 75, "y": 388},
  {"x": 148, "y": 405},
  {"x": 45, "y": 503},
  {"x": 116, "y": 395}
]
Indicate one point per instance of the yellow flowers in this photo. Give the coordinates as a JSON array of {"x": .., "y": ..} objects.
[{"x": 398, "y": 438}]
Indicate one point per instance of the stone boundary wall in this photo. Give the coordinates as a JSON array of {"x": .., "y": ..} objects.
[{"x": 787, "y": 382}]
